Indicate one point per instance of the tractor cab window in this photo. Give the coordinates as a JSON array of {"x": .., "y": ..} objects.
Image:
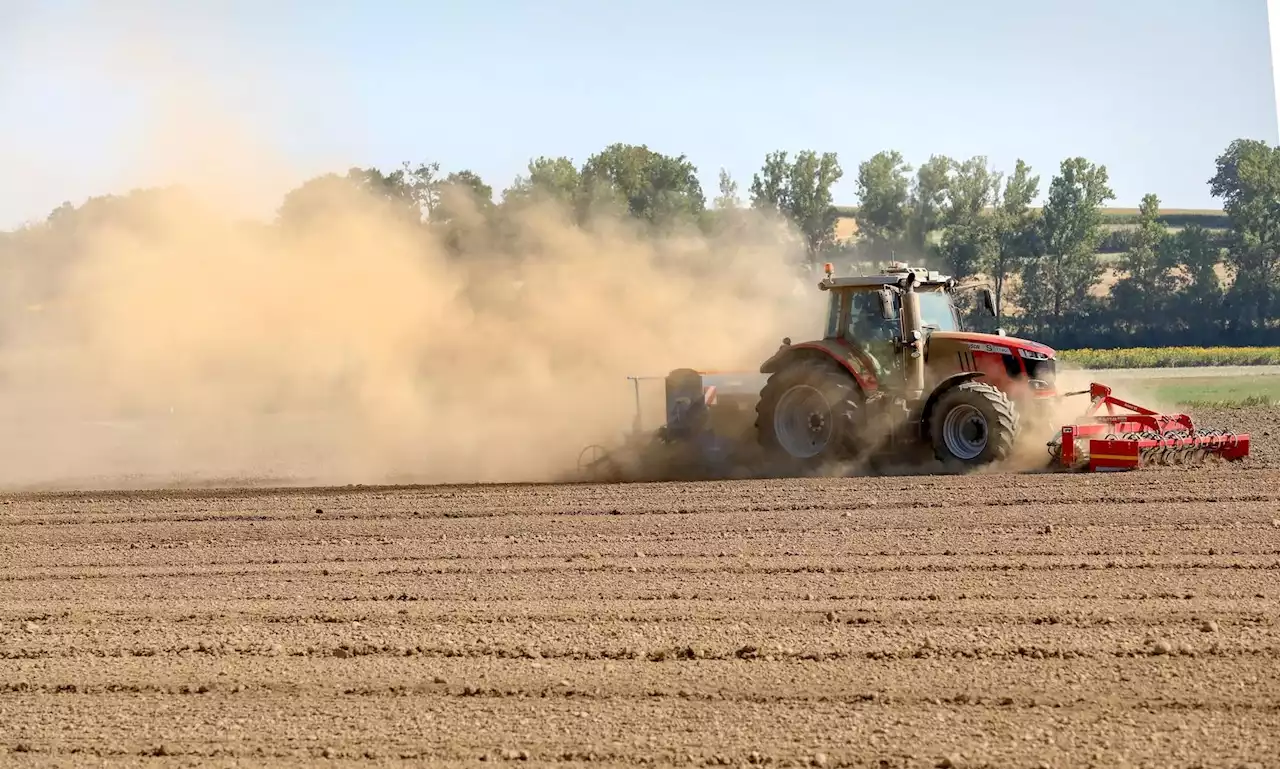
[
  {"x": 871, "y": 332},
  {"x": 834, "y": 305},
  {"x": 866, "y": 323},
  {"x": 937, "y": 312}
]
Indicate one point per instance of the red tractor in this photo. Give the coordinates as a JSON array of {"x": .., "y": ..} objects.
[
  {"x": 896, "y": 372},
  {"x": 897, "y": 378}
]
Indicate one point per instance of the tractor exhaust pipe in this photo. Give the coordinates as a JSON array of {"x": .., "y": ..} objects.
[{"x": 913, "y": 341}]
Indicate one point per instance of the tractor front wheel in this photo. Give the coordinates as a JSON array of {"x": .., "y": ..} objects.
[{"x": 973, "y": 424}]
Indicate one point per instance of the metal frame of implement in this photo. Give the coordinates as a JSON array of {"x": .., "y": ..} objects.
[{"x": 1118, "y": 442}]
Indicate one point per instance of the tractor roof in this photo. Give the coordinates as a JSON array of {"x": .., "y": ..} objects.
[{"x": 892, "y": 274}]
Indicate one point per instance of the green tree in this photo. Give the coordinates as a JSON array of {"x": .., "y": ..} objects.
[
  {"x": 322, "y": 196},
  {"x": 801, "y": 191},
  {"x": 554, "y": 179},
  {"x": 1055, "y": 287},
  {"x": 314, "y": 198},
  {"x": 726, "y": 213},
  {"x": 463, "y": 188},
  {"x": 883, "y": 188},
  {"x": 1248, "y": 182},
  {"x": 423, "y": 184},
  {"x": 1197, "y": 302},
  {"x": 928, "y": 201},
  {"x": 1139, "y": 297},
  {"x": 132, "y": 211},
  {"x": 769, "y": 186},
  {"x": 968, "y": 234},
  {"x": 728, "y": 197},
  {"x": 463, "y": 214},
  {"x": 655, "y": 188},
  {"x": 1015, "y": 229},
  {"x": 972, "y": 188}
]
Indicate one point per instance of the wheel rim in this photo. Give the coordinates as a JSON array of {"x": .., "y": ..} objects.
[
  {"x": 964, "y": 432},
  {"x": 802, "y": 422},
  {"x": 592, "y": 459},
  {"x": 590, "y": 456}
]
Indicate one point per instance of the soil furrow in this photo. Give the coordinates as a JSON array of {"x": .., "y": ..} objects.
[{"x": 985, "y": 620}]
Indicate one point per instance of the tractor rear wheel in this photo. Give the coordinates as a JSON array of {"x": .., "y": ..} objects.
[
  {"x": 973, "y": 424},
  {"x": 809, "y": 413}
]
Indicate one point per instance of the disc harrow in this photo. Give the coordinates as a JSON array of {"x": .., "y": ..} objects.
[{"x": 1124, "y": 441}]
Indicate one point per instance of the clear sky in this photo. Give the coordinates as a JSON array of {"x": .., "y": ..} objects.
[{"x": 1154, "y": 89}]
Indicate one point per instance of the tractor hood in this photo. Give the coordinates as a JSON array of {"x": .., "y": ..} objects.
[{"x": 995, "y": 342}]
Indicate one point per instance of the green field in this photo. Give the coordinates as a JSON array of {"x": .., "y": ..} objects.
[
  {"x": 1171, "y": 217},
  {"x": 1217, "y": 391},
  {"x": 1187, "y": 375},
  {"x": 1162, "y": 357}
]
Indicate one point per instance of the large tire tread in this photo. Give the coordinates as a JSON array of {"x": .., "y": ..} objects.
[
  {"x": 1002, "y": 421},
  {"x": 846, "y": 402}
]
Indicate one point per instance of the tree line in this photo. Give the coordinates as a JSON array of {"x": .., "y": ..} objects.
[
  {"x": 1194, "y": 285},
  {"x": 1189, "y": 285}
]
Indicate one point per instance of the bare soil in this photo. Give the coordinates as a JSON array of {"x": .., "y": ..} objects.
[{"x": 987, "y": 620}]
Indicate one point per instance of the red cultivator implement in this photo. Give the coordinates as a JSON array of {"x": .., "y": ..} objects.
[{"x": 1124, "y": 441}]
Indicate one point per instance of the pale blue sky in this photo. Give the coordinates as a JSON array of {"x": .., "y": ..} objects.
[{"x": 1154, "y": 89}]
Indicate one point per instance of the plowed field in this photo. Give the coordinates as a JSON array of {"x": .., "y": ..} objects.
[{"x": 987, "y": 620}]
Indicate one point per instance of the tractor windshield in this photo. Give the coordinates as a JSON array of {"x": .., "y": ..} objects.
[{"x": 937, "y": 312}]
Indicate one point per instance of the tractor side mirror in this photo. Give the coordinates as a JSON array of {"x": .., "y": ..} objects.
[
  {"x": 887, "y": 310},
  {"x": 989, "y": 302}
]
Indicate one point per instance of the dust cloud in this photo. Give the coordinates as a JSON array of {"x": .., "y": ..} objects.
[
  {"x": 183, "y": 340},
  {"x": 356, "y": 347}
]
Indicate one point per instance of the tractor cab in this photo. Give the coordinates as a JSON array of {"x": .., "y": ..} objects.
[
  {"x": 858, "y": 299},
  {"x": 866, "y": 311}
]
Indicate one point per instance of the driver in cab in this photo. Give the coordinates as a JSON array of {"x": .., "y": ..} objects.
[{"x": 870, "y": 331}]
